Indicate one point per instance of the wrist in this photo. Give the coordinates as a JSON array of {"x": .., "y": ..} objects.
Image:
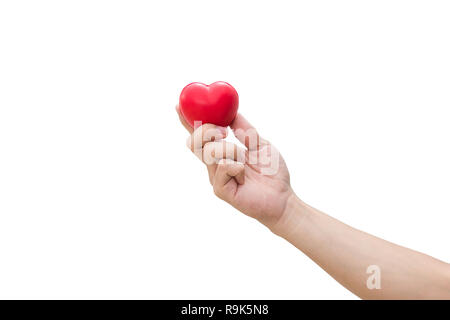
[{"x": 292, "y": 218}]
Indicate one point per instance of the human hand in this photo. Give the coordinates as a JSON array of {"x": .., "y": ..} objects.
[{"x": 254, "y": 180}]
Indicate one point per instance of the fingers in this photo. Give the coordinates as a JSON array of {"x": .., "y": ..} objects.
[
  {"x": 214, "y": 152},
  {"x": 209, "y": 134},
  {"x": 246, "y": 133},
  {"x": 242, "y": 129},
  {"x": 229, "y": 174},
  {"x": 183, "y": 120},
  {"x": 204, "y": 134},
  {"x": 217, "y": 150},
  {"x": 211, "y": 173}
]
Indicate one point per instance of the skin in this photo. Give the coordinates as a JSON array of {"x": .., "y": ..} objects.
[{"x": 342, "y": 251}]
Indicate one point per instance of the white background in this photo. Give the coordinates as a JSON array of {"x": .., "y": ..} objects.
[{"x": 100, "y": 198}]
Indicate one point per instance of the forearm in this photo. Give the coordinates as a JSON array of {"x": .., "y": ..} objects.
[{"x": 346, "y": 253}]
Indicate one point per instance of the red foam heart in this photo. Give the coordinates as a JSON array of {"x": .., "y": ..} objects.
[{"x": 216, "y": 103}]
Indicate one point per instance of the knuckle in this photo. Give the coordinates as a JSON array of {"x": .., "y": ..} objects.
[
  {"x": 217, "y": 191},
  {"x": 189, "y": 143},
  {"x": 208, "y": 153},
  {"x": 221, "y": 165},
  {"x": 208, "y": 147},
  {"x": 211, "y": 179}
]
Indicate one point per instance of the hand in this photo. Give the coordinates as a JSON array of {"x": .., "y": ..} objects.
[{"x": 243, "y": 177}]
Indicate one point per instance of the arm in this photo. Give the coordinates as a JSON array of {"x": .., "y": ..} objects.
[
  {"x": 240, "y": 176},
  {"x": 346, "y": 253}
]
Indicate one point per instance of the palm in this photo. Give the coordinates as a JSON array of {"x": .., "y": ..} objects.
[{"x": 262, "y": 196}]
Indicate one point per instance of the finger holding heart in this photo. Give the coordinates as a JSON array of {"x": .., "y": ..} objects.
[{"x": 205, "y": 111}]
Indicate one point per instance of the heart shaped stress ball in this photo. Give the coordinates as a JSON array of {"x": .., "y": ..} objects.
[{"x": 216, "y": 103}]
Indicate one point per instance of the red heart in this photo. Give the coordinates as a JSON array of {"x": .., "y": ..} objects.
[{"x": 216, "y": 103}]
